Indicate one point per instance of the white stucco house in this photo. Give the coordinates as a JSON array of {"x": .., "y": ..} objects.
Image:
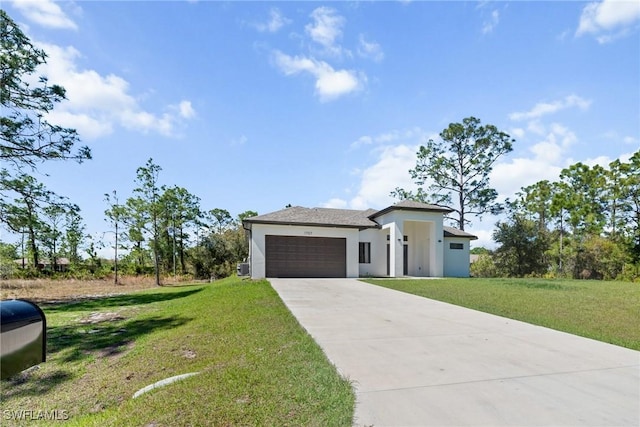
[{"x": 405, "y": 239}]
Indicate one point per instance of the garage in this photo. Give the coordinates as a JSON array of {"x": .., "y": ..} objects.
[{"x": 300, "y": 256}]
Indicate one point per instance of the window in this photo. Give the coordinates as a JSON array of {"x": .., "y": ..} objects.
[
  {"x": 456, "y": 246},
  {"x": 365, "y": 252}
]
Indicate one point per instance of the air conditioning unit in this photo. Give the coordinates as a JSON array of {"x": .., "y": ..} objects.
[{"x": 243, "y": 269}]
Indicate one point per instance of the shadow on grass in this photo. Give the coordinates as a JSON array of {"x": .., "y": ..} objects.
[
  {"x": 539, "y": 284},
  {"x": 23, "y": 385},
  {"x": 94, "y": 303},
  {"x": 74, "y": 342}
]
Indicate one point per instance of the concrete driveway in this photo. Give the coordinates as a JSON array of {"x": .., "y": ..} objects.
[{"x": 420, "y": 362}]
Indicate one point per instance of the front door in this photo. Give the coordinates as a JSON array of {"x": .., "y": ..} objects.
[{"x": 405, "y": 260}]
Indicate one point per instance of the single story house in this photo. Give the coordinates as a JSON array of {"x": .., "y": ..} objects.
[
  {"x": 62, "y": 264},
  {"x": 405, "y": 239}
]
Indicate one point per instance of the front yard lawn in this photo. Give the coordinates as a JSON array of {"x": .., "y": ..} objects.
[
  {"x": 605, "y": 311},
  {"x": 256, "y": 365}
]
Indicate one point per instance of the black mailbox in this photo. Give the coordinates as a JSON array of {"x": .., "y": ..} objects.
[{"x": 23, "y": 339}]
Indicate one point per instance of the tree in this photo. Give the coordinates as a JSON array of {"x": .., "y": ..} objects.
[
  {"x": 149, "y": 196},
  {"x": 74, "y": 235},
  {"x": 26, "y": 137},
  {"x": 535, "y": 201},
  {"x": 456, "y": 169},
  {"x": 135, "y": 219},
  {"x": 522, "y": 247},
  {"x": 220, "y": 219},
  {"x": 625, "y": 209},
  {"x": 181, "y": 211},
  {"x": 8, "y": 254},
  {"x": 51, "y": 232},
  {"x": 246, "y": 214},
  {"x": 24, "y": 215},
  {"x": 114, "y": 215},
  {"x": 582, "y": 189}
]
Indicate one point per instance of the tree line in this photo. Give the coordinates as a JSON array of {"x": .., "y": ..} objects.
[
  {"x": 584, "y": 225},
  {"x": 159, "y": 229},
  {"x": 164, "y": 229}
]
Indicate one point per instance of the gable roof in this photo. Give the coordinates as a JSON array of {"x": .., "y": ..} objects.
[
  {"x": 322, "y": 217},
  {"x": 410, "y": 205}
]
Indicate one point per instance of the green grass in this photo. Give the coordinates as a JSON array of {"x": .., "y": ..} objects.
[
  {"x": 257, "y": 365},
  {"x": 605, "y": 311}
]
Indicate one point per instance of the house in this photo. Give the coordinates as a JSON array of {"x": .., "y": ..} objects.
[
  {"x": 405, "y": 239},
  {"x": 62, "y": 264}
]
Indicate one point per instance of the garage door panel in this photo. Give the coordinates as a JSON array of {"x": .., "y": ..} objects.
[{"x": 298, "y": 256}]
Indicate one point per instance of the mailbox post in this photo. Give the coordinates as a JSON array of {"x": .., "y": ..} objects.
[{"x": 23, "y": 336}]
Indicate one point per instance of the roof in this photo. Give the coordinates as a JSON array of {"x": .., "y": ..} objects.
[
  {"x": 347, "y": 218},
  {"x": 410, "y": 205},
  {"x": 322, "y": 217},
  {"x": 454, "y": 232}
]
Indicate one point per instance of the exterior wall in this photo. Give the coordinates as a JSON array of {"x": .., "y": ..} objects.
[
  {"x": 378, "y": 265},
  {"x": 257, "y": 246},
  {"x": 419, "y": 236},
  {"x": 430, "y": 256},
  {"x": 456, "y": 261}
]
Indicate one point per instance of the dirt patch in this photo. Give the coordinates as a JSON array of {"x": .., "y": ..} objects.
[
  {"x": 100, "y": 317},
  {"x": 189, "y": 354},
  {"x": 71, "y": 290}
]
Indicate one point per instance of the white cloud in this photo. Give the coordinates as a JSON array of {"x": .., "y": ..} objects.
[
  {"x": 535, "y": 126},
  {"x": 547, "y": 160},
  {"x": 630, "y": 140},
  {"x": 330, "y": 83},
  {"x": 394, "y": 153},
  {"x": 517, "y": 132},
  {"x": 509, "y": 177},
  {"x": 45, "y": 13},
  {"x": 545, "y": 108},
  {"x": 609, "y": 19},
  {"x": 186, "y": 110},
  {"x": 371, "y": 50},
  {"x": 276, "y": 21},
  {"x": 89, "y": 127},
  {"x": 491, "y": 23},
  {"x": 326, "y": 29},
  {"x": 391, "y": 170},
  {"x": 240, "y": 140},
  {"x": 414, "y": 133},
  {"x": 363, "y": 140},
  {"x": 96, "y": 103},
  {"x": 335, "y": 203}
]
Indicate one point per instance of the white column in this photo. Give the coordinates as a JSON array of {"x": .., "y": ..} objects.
[
  {"x": 395, "y": 253},
  {"x": 437, "y": 254}
]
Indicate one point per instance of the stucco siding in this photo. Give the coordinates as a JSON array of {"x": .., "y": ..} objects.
[
  {"x": 456, "y": 261},
  {"x": 378, "y": 265}
]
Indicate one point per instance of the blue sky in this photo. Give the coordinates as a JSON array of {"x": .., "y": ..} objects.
[{"x": 255, "y": 105}]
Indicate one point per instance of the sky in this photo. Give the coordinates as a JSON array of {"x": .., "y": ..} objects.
[{"x": 256, "y": 105}]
